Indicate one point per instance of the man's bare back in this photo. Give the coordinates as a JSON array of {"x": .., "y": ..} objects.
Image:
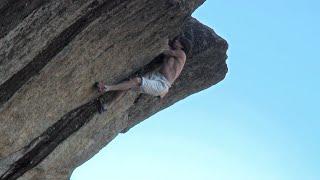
[{"x": 173, "y": 62}]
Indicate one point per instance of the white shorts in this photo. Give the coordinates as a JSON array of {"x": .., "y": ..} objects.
[{"x": 154, "y": 83}]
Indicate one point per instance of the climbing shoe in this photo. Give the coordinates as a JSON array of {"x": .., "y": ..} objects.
[{"x": 101, "y": 106}]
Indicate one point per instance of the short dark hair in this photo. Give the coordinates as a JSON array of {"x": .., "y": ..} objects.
[{"x": 185, "y": 42}]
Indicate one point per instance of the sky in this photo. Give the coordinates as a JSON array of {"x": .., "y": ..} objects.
[{"x": 261, "y": 122}]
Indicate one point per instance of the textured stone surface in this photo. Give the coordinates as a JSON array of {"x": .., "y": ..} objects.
[{"x": 51, "y": 52}]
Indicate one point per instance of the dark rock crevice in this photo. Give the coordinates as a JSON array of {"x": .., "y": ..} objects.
[{"x": 51, "y": 138}]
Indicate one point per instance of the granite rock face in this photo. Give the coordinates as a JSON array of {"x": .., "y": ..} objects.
[{"x": 51, "y": 53}]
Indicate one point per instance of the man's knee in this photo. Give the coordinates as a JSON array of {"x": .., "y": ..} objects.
[{"x": 137, "y": 81}]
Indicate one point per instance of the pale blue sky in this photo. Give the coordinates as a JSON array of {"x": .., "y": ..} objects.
[{"x": 261, "y": 123}]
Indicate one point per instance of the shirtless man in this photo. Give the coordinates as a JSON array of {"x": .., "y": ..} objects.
[{"x": 157, "y": 83}]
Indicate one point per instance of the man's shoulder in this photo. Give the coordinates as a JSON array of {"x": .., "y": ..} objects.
[{"x": 181, "y": 53}]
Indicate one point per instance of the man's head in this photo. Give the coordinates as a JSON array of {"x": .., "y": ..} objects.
[{"x": 182, "y": 43}]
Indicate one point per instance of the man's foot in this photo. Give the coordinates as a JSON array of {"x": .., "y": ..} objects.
[
  {"x": 101, "y": 106},
  {"x": 101, "y": 87}
]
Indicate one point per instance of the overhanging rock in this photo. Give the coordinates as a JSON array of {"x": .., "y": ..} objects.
[{"x": 51, "y": 53}]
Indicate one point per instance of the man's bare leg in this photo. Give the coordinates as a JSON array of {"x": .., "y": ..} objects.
[{"x": 123, "y": 86}]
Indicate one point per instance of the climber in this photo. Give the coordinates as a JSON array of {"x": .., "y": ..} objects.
[{"x": 155, "y": 83}]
